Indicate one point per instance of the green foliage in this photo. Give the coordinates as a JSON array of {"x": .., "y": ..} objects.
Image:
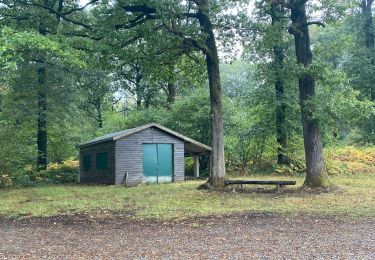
[
  {"x": 16, "y": 139},
  {"x": 188, "y": 116},
  {"x": 5, "y": 181},
  {"x": 350, "y": 160},
  {"x": 249, "y": 136},
  {"x": 56, "y": 173},
  {"x": 20, "y": 46},
  {"x": 345, "y": 78},
  {"x": 189, "y": 166},
  {"x": 338, "y": 105},
  {"x": 66, "y": 172}
]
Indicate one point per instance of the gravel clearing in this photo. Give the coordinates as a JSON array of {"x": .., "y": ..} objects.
[{"x": 241, "y": 236}]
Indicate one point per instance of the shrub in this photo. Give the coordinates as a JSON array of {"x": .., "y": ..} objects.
[
  {"x": 22, "y": 179},
  {"x": 350, "y": 160},
  {"x": 5, "y": 181},
  {"x": 66, "y": 172},
  {"x": 189, "y": 167},
  {"x": 33, "y": 175}
]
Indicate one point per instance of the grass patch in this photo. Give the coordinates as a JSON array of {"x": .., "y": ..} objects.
[{"x": 356, "y": 198}]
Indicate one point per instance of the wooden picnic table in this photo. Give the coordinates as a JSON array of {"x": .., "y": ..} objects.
[{"x": 260, "y": 182}]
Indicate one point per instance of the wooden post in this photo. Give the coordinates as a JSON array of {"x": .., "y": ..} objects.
[{"x": 196, "y": 166}]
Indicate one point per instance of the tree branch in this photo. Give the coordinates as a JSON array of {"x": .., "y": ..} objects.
[
  {"x": 79, "y": 8},
  {"x": 197, "y": 2},
  {"x": 140, "y": 19},
  {"x": 316, "y": 23},
  {"x": 61, "y": 15},
  {"x": 83, "y": 35},
  {"x": 189, "y": 15},
  {"x": 139, "y": 9},
  {"x": 283, "y": 3},
  {"x": 186, "y": 40},
  {"x": 197, "y": 44},
  {"x": 298, "y": 3},
  {"x": 146, "y": 14}
]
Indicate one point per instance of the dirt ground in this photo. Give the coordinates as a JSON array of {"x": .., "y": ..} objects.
[{"x": 243, "y": 236}]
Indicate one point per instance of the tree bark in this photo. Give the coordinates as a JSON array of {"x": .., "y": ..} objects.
[
  {"x": 277, "y": 12},
  {"x": 316, "y": 175},
  {"x": 139, "y": 89},
  {"x": 42, "y": 119},
  {"x": 368, "y": 28},
  {"x": 1, "y": 102},
  {"x": 42, "y": 113},
  {"x": 217, "y": 172},
  {"x": 99, "y": 112},
  {"x": 171, "y": 94}
]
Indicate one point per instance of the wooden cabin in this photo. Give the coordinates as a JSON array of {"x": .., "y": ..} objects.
[{"x": 146, "y": 154}]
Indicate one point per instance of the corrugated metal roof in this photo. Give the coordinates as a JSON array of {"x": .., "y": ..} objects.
[
  {"x": 107, "y": 137},
  {"x": 121, "y": 134}
]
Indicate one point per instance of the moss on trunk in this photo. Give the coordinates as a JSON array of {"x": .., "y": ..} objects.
[
  {"x": 317, "y": 181},
  {"x": 217, "y": 182}
]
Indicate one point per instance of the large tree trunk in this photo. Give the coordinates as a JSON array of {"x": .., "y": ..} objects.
[
  {"x": 217, "y": 173},
  {"x": 277, "y": 14},
  {"x": 1, "y": 102},
  {"x": 139, "y": 90},
  {"x": 99, "y": 112},
  {"x": 368, "y": 28},
  {"x": 171, "y": 94},
  {"x": 316, "y": 172},
  {"x": 42, "y": 113},
  {"x": 42, "y": 119}
]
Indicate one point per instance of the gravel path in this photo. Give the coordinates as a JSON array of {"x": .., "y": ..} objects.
[{"x": 245, "y": 236}]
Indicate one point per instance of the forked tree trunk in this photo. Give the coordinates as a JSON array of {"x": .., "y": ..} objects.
[
  {"x": 277, "y": 14},
  {"x": 316, "y": 172},
  {"x": 217, "y": 173},
  {"x": 368, "y": 27}
]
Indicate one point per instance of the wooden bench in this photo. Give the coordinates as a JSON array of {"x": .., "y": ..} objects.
[{"x": 279, "y": 184}]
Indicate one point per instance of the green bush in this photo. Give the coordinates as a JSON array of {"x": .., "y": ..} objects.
[
  {"x": 22, "y": 179},
  {"x": 33, "y": 175},
  {"x": 189, "y": 167},
  {"x": 66, "y": 172},
  {"x": 5, "y": 181}
]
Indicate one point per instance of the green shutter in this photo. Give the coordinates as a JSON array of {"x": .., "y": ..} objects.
[
  {"x": 102, "y": 161},
  {"x": 87, "y": 163}
]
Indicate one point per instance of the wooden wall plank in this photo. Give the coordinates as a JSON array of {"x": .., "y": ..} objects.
[{"x": 128, "y": 156}]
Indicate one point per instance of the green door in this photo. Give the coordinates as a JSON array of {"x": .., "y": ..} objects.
[
  {"x": 157, "y": 162},
  {"x": 150, "y": 162},
  {"x": 165, "y": 167}
]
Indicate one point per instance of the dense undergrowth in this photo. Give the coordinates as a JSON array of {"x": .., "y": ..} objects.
[
  {"x": 339, "y": 160},
  {"x": 56, "y": 173}
]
